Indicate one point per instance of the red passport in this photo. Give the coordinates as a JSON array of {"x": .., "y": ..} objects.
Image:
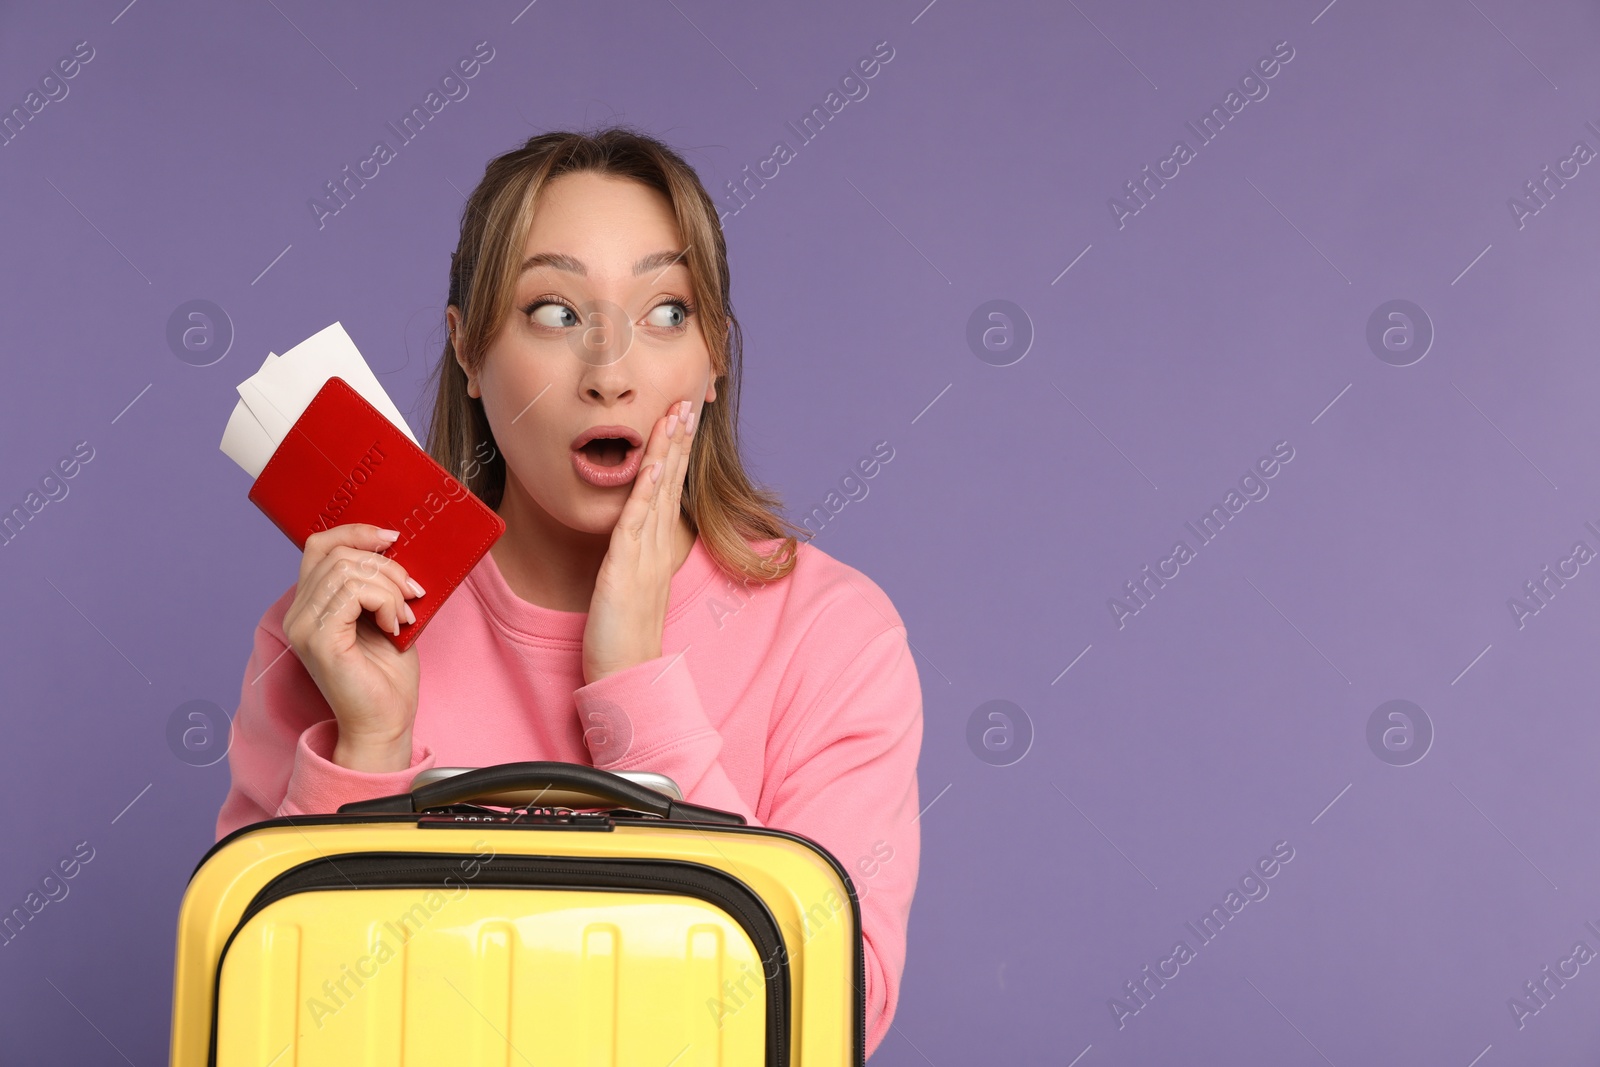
[{"x": 343, "y": 462}]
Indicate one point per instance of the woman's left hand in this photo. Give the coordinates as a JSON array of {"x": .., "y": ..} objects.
[{"x": 629, "y": 609}]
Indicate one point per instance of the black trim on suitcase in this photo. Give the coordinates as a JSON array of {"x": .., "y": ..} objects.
[
  {"x": 613, "y": 789},
  {"x": 858, "y": 1055},
  {"x": 413, "y": 870}
]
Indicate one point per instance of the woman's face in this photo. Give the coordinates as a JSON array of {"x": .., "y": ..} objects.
[{"x": 603, "y": 332}]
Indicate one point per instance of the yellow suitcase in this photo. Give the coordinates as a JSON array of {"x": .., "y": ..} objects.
[{"x": 443, "y": 926}]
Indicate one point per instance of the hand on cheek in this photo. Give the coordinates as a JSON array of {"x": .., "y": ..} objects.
[{"x": 629, "y": 610}]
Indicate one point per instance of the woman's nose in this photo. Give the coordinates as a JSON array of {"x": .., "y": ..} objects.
[{"x": 607, "y": 382}]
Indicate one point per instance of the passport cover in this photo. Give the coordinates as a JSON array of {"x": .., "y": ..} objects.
[{"x": 342, "y": 461}]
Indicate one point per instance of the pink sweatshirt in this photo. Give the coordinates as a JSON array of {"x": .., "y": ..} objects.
[{"x": 796, "y": 704}]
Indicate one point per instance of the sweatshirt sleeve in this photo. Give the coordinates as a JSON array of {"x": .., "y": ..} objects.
[
  {"x": 280, "y": 752},
  {"x": 846, "y": 778}
]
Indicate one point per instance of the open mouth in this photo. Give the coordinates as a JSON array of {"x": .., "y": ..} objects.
[
  {"x": 607, "y": 451},
  {"x": 607, "y": 462}
]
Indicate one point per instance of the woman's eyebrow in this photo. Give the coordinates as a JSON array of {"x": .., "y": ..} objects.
[{"x": 572, "y": 265}]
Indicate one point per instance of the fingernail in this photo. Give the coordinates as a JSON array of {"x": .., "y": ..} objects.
[
  {"x": 389, "y": 535},
  {"x": 693, "y": 421},
  {"x": 672, "y": 423},
  {"x": 411, "y": 616},
  {"x": 655, "y": 471},
  {"x": 416, "y": 590}
]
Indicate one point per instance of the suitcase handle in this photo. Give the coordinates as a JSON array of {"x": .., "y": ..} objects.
[{"x": 602, "y": 786}]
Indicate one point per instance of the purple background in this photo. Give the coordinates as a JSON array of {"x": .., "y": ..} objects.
[{"x": 1230, "y": 713}]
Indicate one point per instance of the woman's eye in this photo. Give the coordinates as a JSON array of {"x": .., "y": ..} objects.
[
  {"x": 670, "y": 315},
  {"x": 554, "y": 316}
]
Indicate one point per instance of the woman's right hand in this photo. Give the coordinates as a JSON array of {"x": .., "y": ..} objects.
[{"x": 371, "y": 687}]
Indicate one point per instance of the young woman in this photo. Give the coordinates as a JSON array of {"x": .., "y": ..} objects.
[{"x": 646, "y": 608}]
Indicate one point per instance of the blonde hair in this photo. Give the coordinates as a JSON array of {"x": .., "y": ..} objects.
[{"x": 723, "y": 507}]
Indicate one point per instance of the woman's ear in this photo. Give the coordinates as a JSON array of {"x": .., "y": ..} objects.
[{"x": 453, "y": 320}]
